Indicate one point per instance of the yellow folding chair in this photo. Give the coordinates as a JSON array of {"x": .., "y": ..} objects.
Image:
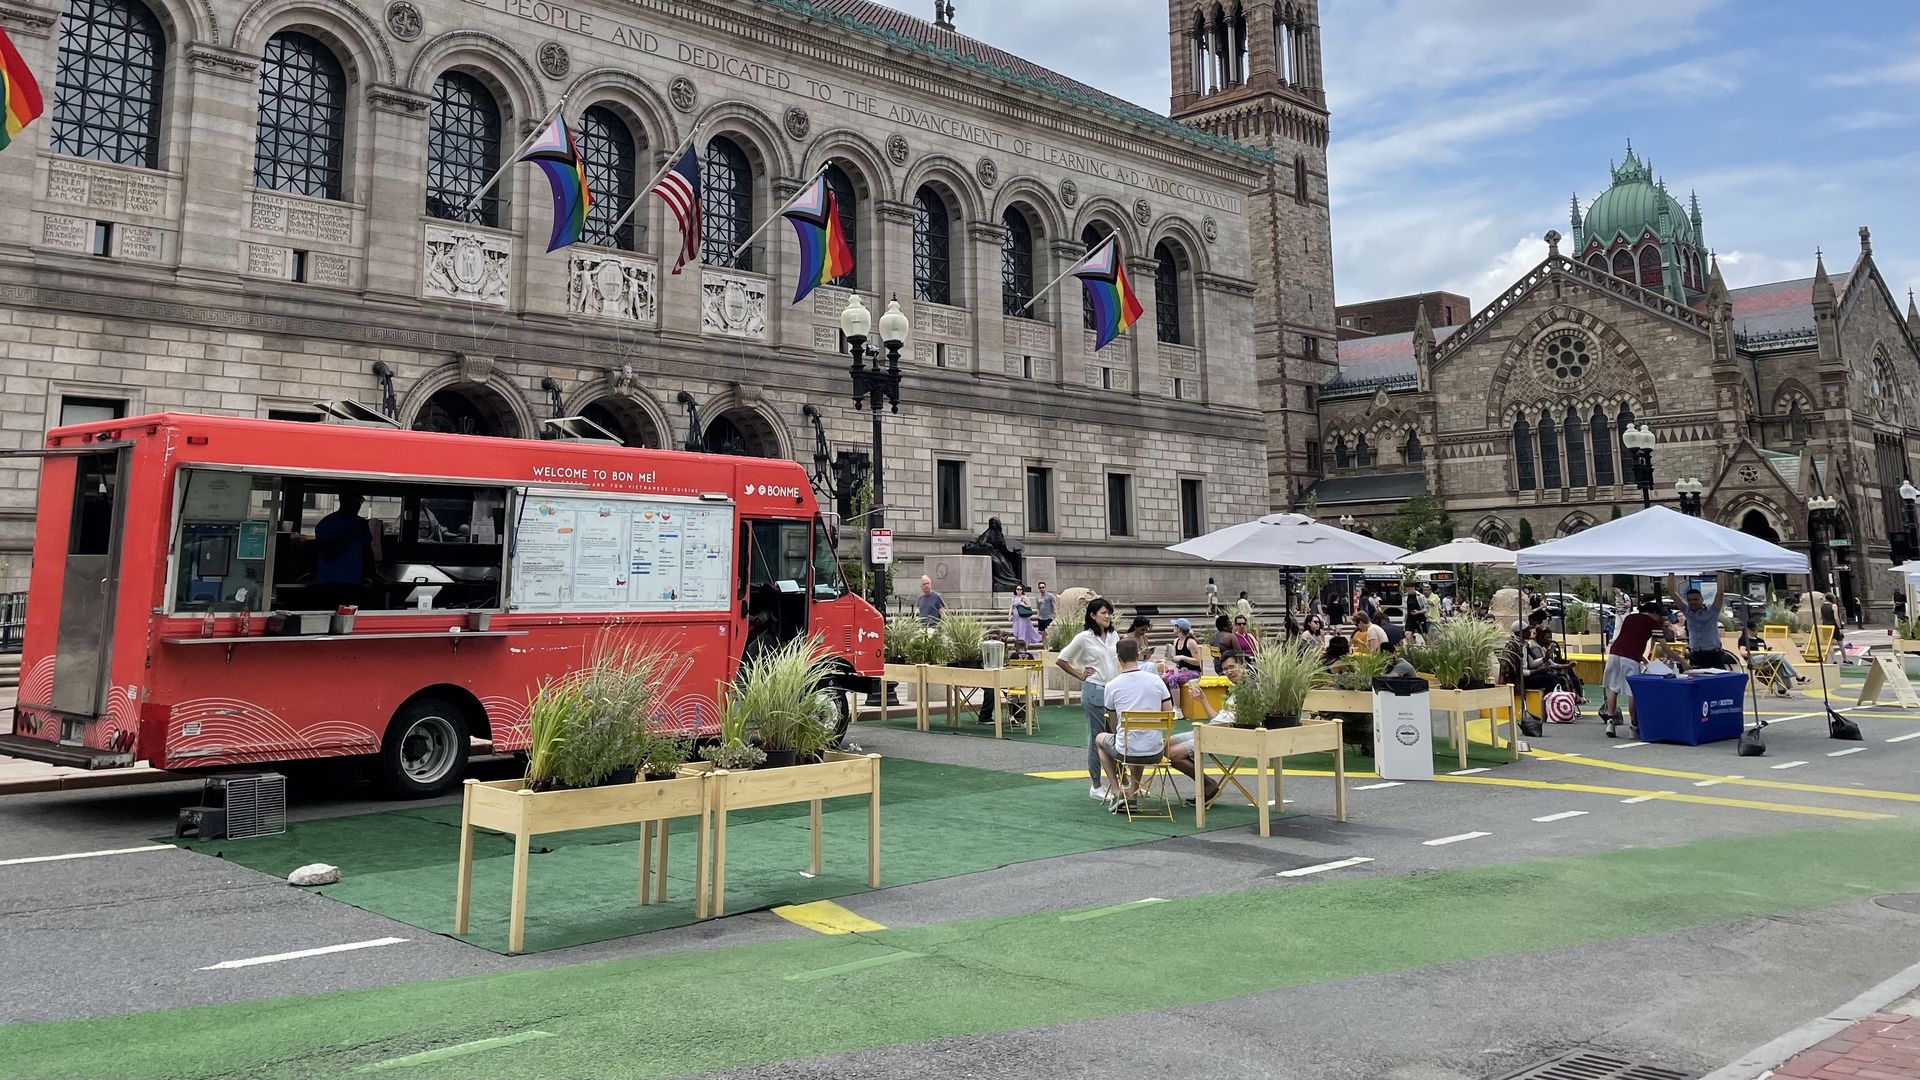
[
  {"x": 1154, "y": 793},
  {"x": 1022, "y": 701}
]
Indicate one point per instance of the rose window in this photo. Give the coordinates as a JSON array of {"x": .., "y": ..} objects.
[{"x": 1567, "y": 354}]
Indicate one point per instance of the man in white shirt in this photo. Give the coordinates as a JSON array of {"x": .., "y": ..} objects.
[{"x": 1136, "y": 689}]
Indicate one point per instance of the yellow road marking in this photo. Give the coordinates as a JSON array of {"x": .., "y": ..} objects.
[
  {"x": 1592, "y": 789},
  {"x": 1778, "y": 785},
  {"x": 826, "y": 917}
]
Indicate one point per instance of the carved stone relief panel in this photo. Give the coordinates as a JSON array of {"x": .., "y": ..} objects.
[
  {"x": 463, "y": 265},
  {"x": 733, "y": 305},
  {"x": 614, "y": 287}
]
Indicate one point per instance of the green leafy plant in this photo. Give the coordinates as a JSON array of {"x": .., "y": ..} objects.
[
  {"x": 1315, "y": 581},
  {"x": 814, "y": 738},
  {"x": 1358, "y": 670},
  {"x": 896, "y": 639},
  {"x": 596, "y": 721},
  {"x": 1058, "y": 635},
  {"x": 1526, "y": 535},
  {"x": 665, "y": 754},
  {"x": 1420, "y": 656},
  {"x": 1278, "y": 683},
  {"x": 775, "y": 695},
  {"x": 1420, "y": 523},
  {"x": 1578, "y": 618},
  {"x": 1460, "y": 651},
  {"x": 733, "y": 755},
  {"x": 927, "y": 646},
  {"x": 550, "y": 713},
  {"x": 1779, "y": 614},
  {"x": 964, "y": 635},
  {"x": 1907, "y": 629}
]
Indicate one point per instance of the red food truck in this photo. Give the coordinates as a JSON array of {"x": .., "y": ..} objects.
[{"x": 188, "y": 572}]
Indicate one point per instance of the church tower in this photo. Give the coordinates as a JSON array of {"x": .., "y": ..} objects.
[{"x": 1249, "y": 70}]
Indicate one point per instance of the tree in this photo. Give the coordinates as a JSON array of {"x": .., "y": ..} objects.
[
  {"x": 1420, "y": 523},
  {"x": 1311, "y": 507},
  {"x": 1526, "y": 533},
  {"x": 1615, "y": 516}
]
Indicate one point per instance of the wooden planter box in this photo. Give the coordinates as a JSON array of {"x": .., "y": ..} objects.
[
  {"x": 1584, "y": 642},
  {"x": 1340, "y": 701},
  {"x": 1458, "y": 704},
  {"x": 507, "y": 806},
  {"x": 990, "y": 679},
  {"x": 1228, "y": 745},
  {"x": 1906, "y": 645},
  {"x": 837, "y": 776}
]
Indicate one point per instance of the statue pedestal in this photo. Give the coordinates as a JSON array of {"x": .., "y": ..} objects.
[
  {"x": 1039, "y": 569},
  {"x": 956, "y": 576}
]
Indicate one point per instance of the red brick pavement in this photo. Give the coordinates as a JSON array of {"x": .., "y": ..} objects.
[{"x": 1885, "y": 1046}]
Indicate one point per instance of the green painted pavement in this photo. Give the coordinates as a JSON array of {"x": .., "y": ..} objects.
[
  {"x": 736, "y": 1006},
  {"x": 935, "y": 821}
]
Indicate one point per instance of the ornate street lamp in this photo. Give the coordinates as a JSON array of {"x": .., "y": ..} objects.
[
  {"x": 875, "y": 387},
  {"x": 1822, "y": 515},
  {"x": 1639, "y": 440},
  {"x": 1689, "y": 490},
  {"x": 1908, "y": 493},
  {"x": 1348, "y": 521}
]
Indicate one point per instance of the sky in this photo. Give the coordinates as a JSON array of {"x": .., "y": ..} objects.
[{"x": 1462, "y": 128}]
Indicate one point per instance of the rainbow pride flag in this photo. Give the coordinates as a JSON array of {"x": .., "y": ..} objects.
[
  {"x": 18, "y": 92},
  {"x": 824, "y": 254},
  {"x": 554, "y": 151},
  {"x": 1114, "y": 306}
]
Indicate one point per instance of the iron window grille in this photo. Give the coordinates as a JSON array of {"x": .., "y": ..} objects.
[
  {"x": 727, "y": 189},
  {"x": 1166, "y": 295},
  {"x": 106, "y": 93},
  {"x": 300, "y": 138},
  {"x": 1602, "y": 433},
  {"x": 1523, "y": 454},
  {"x": 847, "y": 207},
  {"x": 931, "y": 278},
  {"x": 609, "y": 151},
  {"x": 463, "y": 150},
  {"x": 1016, "y": 265}
]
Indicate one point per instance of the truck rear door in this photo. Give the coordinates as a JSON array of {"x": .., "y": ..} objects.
[{"x": 89, "y": 586}]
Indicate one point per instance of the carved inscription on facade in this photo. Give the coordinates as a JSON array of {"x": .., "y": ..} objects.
[
  {"x": 265, "y": 260},
  {"x": 613, "y": 287},
  {"x": 297, "y": 219},
  {"x": 939, "y": 320},
  {"x": 324, "y": 268},
  {"x": 105, "y": 189},
  {"x": 66, "y": 233},
  {"x": 826, "y": 339},
  {"x": 137, "y": 242},
  {"x": 1029, "y": 336},
  {"x": 733, "y": 305},
  {"x": 470, "y": 266}
]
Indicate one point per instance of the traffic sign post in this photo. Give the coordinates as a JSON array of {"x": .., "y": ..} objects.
[{"x": 881, "y": 544}]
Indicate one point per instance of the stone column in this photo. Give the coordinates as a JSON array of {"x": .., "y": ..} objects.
[
  {"x": 1140, "y": 340},
  {"x": 1063, "y": 307},
  {"x": 396, "y": 197},
  {"x": 219, "y": 111},
  {"x": 978, "y": 286}
]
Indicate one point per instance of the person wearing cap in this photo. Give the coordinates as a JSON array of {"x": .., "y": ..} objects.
[{"x": 1184, "y": 655}]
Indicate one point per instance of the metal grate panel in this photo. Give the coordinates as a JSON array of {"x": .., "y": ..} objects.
[
  {"x": 1586, "y": 1065},
  {"x": 256, "y": 805}
]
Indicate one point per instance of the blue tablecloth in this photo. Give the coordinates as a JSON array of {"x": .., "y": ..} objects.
[{"x": 1690, "y": 709}]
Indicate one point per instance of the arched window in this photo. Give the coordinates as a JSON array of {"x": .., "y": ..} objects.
[
  {"x": 847, "y": 204},
  {"x": 932, "y": 278},
  {"x": 1362, "y": 453},
  {"x": 1597, "y": 261},
  {"x": 1523, "y": 454},
  {"x": 1576, "y": 450},
  {"x": 1411, "y": 451},
  {"x": 1549, "y": 453},
  {"x": 1199, "y": 53},
  {"x": 463, "y": 149},
  {"x": 1300, "y": 179},
  {"x": 1797, "y": 426},
  {"x": 1016, "y": 265},
  {"x": 1650, "y": 267},
  {"x": 609, "y": 149},
  {"x": 1166, "y": 294},
  {"x": 1603, "y": 437},
  {"x": 1623, "y": 264},
  {"x": 106, "y": 87},
  {"x": 726, "y": 182},
  {"x": 299, "y": 137},
  {"x": 1090, "y": 237},
  {"x": 1340, "y": 458}
]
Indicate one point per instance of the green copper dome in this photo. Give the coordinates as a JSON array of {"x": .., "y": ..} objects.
[{"x": 1631, "y": 207}]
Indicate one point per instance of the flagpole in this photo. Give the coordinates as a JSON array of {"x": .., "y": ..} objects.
[
  {"x": 642, "y": 191},
  {"x": 511, "y": 159},
  {"x": 734, "y": 255},
  {"x": 1049, "y": 286}
]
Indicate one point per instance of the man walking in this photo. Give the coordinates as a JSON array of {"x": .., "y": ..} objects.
[
  {"x": 1042, "y": 610},
  {"x": 1623, "y": 659},
  {"x": 928, "y": 605}
]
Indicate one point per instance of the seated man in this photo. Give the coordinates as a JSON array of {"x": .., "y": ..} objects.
[
  {"x": 1135, "y": 689},
  {"x": 1180, "y": 748},
  {"x": 1399, "y": 668},
  {"x": 1762, "y": 662}
]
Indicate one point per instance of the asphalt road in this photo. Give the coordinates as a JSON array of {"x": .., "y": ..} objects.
[{"x": 117, "y": 934}]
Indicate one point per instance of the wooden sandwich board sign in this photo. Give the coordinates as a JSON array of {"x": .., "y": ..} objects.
[{"x": 1888, "y": 672}]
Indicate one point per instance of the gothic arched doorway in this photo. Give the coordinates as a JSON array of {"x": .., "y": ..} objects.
[
  {"x": 1755, "y": 523},
  {"x": 625, "y": 419},
  {"x": 741, "y": 433},
  {"x": 470, "y": 409}
]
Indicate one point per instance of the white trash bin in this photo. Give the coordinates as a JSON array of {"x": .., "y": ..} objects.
[{"x": 1402, "y": 729}]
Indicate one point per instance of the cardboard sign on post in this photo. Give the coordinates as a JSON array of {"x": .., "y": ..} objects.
[
  {"x": 882, "y": 541},
  {"x": 1888, "y": 673}
]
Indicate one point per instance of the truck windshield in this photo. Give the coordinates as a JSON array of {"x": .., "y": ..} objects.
[{"x": 828, "y": 583}]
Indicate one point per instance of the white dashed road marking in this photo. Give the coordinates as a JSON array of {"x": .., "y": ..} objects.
[
  {"x": 1377, "y": 787},
  {"x": 1789, "y": 765},
  {"x": 1628, "y": 745},
  {"x": 1467, "y": 772},
  {"x": 1844, "y": 753},
  {"x": 1323, "y": 867},
  {"x": 1562, "y": 816},
  {"x": 1904, "y": 738},
  {"x": 83, "y": 854},
  {"x": 350, "y": 946},
  {"x": 1456, "y": 839}
]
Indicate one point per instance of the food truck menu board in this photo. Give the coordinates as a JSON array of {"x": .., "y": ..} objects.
[{"x": 579, "y": 553}]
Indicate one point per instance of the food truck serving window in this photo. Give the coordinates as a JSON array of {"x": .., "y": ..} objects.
[
  {"x": 601, "y": 553},
  {"x": 259, "y": 541}
]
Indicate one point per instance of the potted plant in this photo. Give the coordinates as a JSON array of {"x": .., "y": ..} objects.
[
  {"x": 1459, "y": 652},
  {"x": 1578, "y": 619},
  {"x": 928, "y": 646},
  {"x": 733, "y": 751},
  {"x": 1276, "y": 687},
  {"x": 592, "y": 728},
  {"x": 664, "y": 755},
  {"x": 1358, "y": 670},
  {"x": 1059, "y": 635},
  {"x": 1906, "y": 636},
  {"x": 964, "y": 635},
  {"x": 777, "y": 693},
  {"x": 896, "y": 640}
]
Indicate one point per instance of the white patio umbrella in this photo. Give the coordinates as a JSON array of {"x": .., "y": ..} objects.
[
  {"x": 1287, "y": 542},
  {"x": 1464, "y": 551}
]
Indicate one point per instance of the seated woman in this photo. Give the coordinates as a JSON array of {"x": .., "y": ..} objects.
[
  {"x": 1224, "y": 643},
  {"x": 1540, "y": 672},
  {"x": 1762, "y": 662},
  {"x": 1315, "y": 631},
  {"x": 1184, "y": 655},
  {"x": 1242, "y": 638},
  {"x": 1180, "y": 748},
  {"x": 1337, "y": 649}
]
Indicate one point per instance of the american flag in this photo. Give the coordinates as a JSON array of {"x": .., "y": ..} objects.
[{"x": 679, "y": 188}]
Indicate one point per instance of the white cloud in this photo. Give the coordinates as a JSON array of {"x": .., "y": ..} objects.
[
  {"x": 1873, "y": 120},
  {"x": 1898, "y": 72}
]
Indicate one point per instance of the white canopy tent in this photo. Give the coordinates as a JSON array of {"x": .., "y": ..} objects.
[
  {"x": 1287, "y": 542},
  {"x": 1655, "y": 542},
  {"x": 1465, "y": 551}
]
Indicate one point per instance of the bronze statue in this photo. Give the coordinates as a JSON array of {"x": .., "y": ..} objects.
[{"x": 1009, "y": 558}]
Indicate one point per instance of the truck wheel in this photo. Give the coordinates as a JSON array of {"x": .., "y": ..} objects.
[
  {"x": 425, "y": 750},
  {"x": 843, "y": 717}
]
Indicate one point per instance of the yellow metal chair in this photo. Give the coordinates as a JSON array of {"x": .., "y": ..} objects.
[
  {"x": 1021, "y": 701},
  {"x": 1770, "y": 669},
  {"x": 1154, "y": 793}
]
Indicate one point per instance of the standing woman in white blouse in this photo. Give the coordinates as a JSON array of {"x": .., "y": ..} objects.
[{"x": 1090, "y": 657}]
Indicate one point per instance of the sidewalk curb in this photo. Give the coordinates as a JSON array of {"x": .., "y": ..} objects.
[
  {"x": 1759, "y": 1061},
  {"x": 85, "y": 781}
]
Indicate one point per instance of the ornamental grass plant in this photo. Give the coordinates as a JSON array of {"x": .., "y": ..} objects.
[{"x": 1459, "y": 652}]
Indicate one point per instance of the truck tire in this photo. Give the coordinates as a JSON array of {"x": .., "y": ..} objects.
[
  {"x": 843, "y": 718},
  {"x": 425, "y": 750}
]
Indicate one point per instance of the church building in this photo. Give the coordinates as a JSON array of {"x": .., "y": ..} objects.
[{"x": 1768, "y": 395}]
